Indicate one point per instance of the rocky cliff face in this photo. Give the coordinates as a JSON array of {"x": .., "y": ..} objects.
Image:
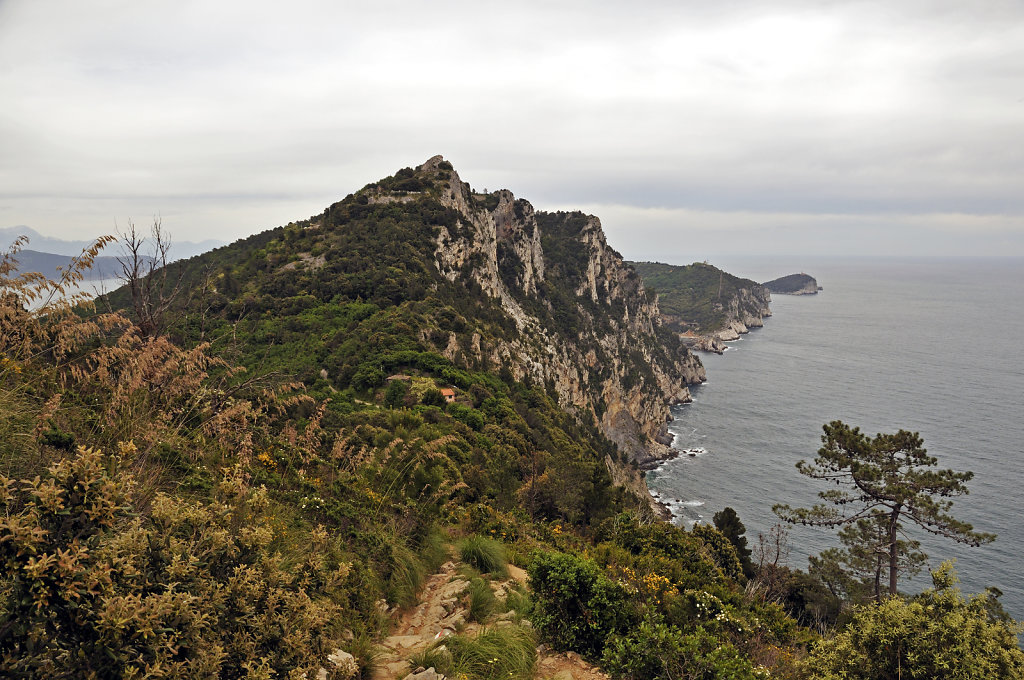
[
  {"x": 586, "y": 326},
  {"x": 706, "y": 305},
  {"x": 746, "y": 308}
]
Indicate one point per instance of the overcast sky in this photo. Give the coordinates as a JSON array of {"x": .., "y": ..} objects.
[{"x": 693, "y": 129}]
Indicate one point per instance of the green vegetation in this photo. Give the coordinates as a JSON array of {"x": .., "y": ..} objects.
[
  {"x": 653, "y": 599},
  {"x": 494, "y": 654},
  {"x": 728, "y": 522},
  {"x": 485, "y": 555},
  {"x": 656, "y": 650},
  {"x": 189, "y": 589},
  {"x": 791, "y": 283},
  {"x": 693, "y": 297},
  {"x": 880, "y": 481},
  {"x": 274, "y": 474},
  {"x": 577, "y": 606},
  {"x": 937, "y": 634},
  {"x": 482, "y": 602}
]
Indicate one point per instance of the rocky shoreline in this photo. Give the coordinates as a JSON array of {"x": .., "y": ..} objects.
[
  {"x": 741, "y": 323},
  {"x": 715, "y": 342}
]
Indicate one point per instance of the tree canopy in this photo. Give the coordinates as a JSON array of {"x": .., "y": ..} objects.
[
  {"x": 884, "y": 479},
  {"x": 938, "y": 634},
  {"x": 728, "y": 522}
]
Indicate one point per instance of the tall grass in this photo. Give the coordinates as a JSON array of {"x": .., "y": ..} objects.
[
  {"x": 407, "y": 575},
  {"x": 482, "y": 602},
  {"x": 485, "y": 555},
  {"x": 518, "y": 600},
  {"x": 409, "y": 567},
  {"x": 500, "y": 653},
  {"x": 364, "y": 649},
  {"x": 433, "y": 549}
]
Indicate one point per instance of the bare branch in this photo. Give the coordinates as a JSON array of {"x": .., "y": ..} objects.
[{"x": 144, "y": 270}]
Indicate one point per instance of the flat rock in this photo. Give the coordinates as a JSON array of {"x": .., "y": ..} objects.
[
  {"x": 429, "y": 674},
  {"x": 403, "y": 641}
]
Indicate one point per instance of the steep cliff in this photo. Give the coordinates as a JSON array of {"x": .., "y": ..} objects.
[
  {"x": 417, "y": 275},
  {"x": 586, "y": 327},
  {"x": 704, "y": 304}
]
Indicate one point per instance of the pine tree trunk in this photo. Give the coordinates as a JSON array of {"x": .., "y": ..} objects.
[{"x": 894, "y": 519}]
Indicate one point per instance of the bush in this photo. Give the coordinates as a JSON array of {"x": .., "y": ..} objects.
[
  {"x": 936, "y": 634},
  {"x": 485, "y": 555},
  {"x": 576, "y": 606},
  {"x": 394, "y": 396},
  {"x": 695, "y": 562},
  {"x": 433, "y": 397},
  {"x": 655, "y": 651},
  {"x": 189, "y": 591},
  {"x": 722, "y": 552}
]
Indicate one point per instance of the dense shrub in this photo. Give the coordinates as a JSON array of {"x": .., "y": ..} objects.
[
  {"x": 577, "y": 607},
  {"x": 937, "y": 634},
  {"x": 721, "y": 550},
  {"x": 693, "y": 560},
  {"x": 192, "y": 590},
  {"x": 655, "y": 651},
  {"x": 432, "y": 397}
]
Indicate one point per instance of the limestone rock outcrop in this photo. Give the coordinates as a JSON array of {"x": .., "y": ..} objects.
[
  {"x": 586, "y": 327},
  {"x": 706, "y": 305}
]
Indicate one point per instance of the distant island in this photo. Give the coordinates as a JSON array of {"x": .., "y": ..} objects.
[{"x": 794, "y": 284}]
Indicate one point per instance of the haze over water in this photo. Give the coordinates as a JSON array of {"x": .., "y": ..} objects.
[{"x": 928, "y": 345}]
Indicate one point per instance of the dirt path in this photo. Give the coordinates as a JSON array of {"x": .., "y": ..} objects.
[
  {"x": 438, "y": 614},
  {"x": 442, "y": 611}
]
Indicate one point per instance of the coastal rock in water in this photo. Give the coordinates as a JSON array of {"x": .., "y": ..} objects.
[{"x": 794, "y": 284}]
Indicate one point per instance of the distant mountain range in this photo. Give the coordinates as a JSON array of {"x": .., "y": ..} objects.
[
  {"x": 46, "y": 253},
  {"x": 104, "y": 267},
  {"x": 180, "y": 250}
]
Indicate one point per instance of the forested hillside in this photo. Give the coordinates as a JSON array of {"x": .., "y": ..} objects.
[{"x": 702, "y": 298}]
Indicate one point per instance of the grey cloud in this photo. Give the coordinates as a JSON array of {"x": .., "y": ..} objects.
[{"x": 229, "y": 115}]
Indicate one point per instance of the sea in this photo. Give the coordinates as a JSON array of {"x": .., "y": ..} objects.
[{"x": 934, "y": 346}]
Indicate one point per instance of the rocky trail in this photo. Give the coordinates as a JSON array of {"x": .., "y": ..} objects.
[{"x": 442, "y": 611}]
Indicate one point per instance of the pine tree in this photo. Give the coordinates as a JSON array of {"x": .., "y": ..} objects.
[
  {"x": 864, "y": 557},
  {"x": 884, "y": 479},
  {"x": 728, "y": 522}
]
